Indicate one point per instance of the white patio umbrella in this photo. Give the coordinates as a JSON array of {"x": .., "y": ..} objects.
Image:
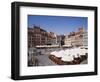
[
  {"x": 68, "y": 51},
  {"x": 83, "y": 51},
  {"x": 77, "y": 52},
  {"x": 72, "y": 52},
  {"x": 60, "y": 53},
  {"x": 67, "y": 58},
  {"x": 53, "y": 53}
]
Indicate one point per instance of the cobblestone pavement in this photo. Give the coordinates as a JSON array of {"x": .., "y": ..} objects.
[
  {"x": 44, "y": 60},
  {"x": 84, "y": 62}
]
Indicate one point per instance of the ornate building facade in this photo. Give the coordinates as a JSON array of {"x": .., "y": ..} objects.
[
  {"x": 39, "y": 36},
  {"x": 75, "y": 38}
]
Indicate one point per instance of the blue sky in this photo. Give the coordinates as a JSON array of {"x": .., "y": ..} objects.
[{"x": 58, "y": 24}]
